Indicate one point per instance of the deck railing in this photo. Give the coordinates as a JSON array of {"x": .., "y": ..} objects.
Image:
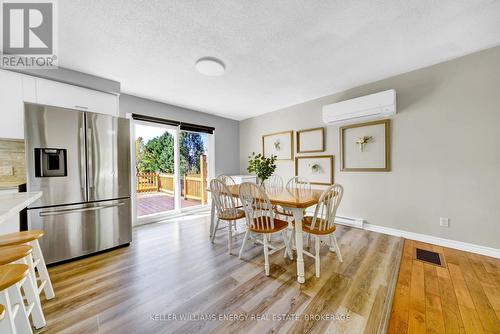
[
  {"x": 147, "y": 182},
  {"x": 193, "y": 186}
]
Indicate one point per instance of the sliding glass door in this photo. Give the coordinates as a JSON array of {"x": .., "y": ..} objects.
[
  {"x": 155, "y": 168},
  {"x": 171, "y": 169},
  {"x": 193, "y": 149}
]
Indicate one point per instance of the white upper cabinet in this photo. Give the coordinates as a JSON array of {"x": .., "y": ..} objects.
[
  {"x": 16, "y": 89},
  {"x": 11, "y": 105},
  {"x": 29, "y": 88},
  {"x": 58, "y": 94}
]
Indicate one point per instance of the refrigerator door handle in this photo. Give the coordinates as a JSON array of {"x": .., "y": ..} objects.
[
  {"x": 90, "y": 151},
  {"x": 66, "y": 211},
  {"x": 82, "y": 162}
]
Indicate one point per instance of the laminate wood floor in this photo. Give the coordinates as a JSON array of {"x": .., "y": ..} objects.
[
  {"x": 171, "y": 271},
  {"x": 462, "y": 297}
]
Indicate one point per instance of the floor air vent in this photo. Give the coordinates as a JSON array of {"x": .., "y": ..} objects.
[{"x": 429, "y": 257}]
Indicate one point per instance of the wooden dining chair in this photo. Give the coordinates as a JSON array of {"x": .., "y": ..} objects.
[
  {"x": 261, "y": 220},
  {"x": 226, "y": 209},
  {"x": 296, "y": 185},
  {"x": 299, "y": 184},
  {"x": 274, "y": 185},
  {"x": 323, "y": 222},
  {"x": 229, "y": 182},
  {"x": 274, "y": 181},
  {"x": 226, "y": 179}
]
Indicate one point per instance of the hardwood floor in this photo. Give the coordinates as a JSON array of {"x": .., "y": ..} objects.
[
  {"x": 463, "y": 297},
  {"x": 172, "y": 270}
]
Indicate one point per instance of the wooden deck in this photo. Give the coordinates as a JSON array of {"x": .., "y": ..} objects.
[
  {"x": 171, "y": 270},
  {"x": 150, "y": 203}
]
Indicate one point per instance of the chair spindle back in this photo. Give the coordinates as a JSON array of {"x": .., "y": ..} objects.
[
  {"x": 224, "y": 201},
  {"x": 274, "y": 181},
  {"x": 258, "y": 208},
  {"x": 299, "y": 185},
  {"x": 326, "y": 210}
]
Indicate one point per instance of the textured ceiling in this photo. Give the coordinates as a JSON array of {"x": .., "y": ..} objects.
[{"x": 277, "y": 53}]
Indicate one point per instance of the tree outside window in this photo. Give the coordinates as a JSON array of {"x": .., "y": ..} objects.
[{"x": 157, "y": 154}]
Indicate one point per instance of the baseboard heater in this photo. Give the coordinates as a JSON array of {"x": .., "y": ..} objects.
[{"x": 346, "y": 221}]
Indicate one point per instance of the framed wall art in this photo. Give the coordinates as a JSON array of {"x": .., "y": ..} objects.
[
  {"x": 311, "y": 140},
  {"x": 279, "y": 144},
  {"x": 317, "y": 169},
  {"x": 365, "y": 147}
]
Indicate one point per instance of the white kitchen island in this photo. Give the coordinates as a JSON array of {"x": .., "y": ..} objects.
[{"x": 12, "y": 204}]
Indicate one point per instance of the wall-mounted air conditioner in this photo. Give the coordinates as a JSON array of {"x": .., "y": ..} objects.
[{"x": 371, "y": 106}]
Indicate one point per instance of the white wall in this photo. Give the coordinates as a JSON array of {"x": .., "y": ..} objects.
[
  {"x": 226, "y": 130},
  {"x": 445, "y": 151}
]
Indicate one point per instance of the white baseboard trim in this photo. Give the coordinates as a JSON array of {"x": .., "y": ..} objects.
[{"x": 460, "y": 245}]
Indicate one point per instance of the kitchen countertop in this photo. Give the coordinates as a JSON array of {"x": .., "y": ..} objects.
[{"x": 12, "y": 204}]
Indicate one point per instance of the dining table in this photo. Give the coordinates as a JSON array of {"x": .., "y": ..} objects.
[{"x": 295, "y": 201}]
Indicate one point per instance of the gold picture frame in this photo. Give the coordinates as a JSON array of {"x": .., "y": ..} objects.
[
  {"x": 387, "y": 146},
  {"x": 322, "y": 140},
  {"x": 329, "y": 174},
  {"x": 286, "y": 135}
]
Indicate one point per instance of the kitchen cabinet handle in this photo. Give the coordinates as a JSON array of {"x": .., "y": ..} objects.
[
  {"x": 66, "y": 211},
  {"x": 82, "y": 107}
]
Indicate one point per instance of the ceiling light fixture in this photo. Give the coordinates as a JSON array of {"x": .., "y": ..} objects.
[{"x": 210, "y": 66}]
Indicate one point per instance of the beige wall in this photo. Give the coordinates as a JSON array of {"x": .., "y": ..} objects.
[{"x": 445, "y": 151}]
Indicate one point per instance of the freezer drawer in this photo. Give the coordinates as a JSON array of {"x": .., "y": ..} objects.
[{"x": 76, "y": 230}]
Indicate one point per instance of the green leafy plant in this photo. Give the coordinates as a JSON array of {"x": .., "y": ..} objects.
[{"x": 262, "y": 166}]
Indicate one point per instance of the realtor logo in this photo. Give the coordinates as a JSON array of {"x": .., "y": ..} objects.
[{"x": 28, "y": 34}]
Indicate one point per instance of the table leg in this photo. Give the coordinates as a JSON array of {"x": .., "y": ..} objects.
[
  {"x": 212, "y": 217},
  {"x": 298, "y": 214}
]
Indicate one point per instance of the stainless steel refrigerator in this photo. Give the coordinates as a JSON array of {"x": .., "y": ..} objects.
[{"x": 81, "y": 162}]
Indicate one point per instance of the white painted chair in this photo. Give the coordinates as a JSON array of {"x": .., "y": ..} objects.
[
  {"x": 274, "y": 185},
  {"x": 261, "y": 220},
  {"x": 323, "y": 222},
  {"x": 226, "y": 209},
  {"x": 274, "y": 182},
  {"x": 13, "y": 279},
  {"x": 226, "y": 179},
  {"x": 296, "y": 185},
  {"x": 42, "y": 280},
  {"x": 299, "y": 184},
  {"x": 229, "y": 182}
]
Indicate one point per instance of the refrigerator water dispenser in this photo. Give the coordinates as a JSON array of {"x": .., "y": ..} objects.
[{"x": 50, "y": 162}]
